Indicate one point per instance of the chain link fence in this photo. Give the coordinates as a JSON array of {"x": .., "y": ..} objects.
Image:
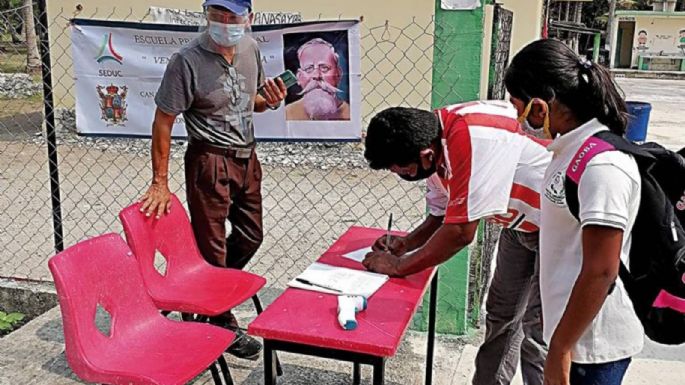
[{"x": 312, "y": 192}]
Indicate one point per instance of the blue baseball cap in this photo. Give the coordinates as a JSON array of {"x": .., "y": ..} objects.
[{"x": 239, "y": 7}]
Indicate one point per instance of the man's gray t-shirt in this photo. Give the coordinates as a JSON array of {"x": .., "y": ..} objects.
[{"x": 215, "y": 98}]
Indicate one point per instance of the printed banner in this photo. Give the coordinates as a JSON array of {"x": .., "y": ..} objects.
[
  {"x": 118, "y": 67},
  {"x": 186, "y": 17}
]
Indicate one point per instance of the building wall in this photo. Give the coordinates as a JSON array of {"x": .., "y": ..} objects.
[
  {"x": 527, "y": 22},
  {"x": 662, "y": 35}
]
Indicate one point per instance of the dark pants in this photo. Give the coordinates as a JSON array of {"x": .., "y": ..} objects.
[
  {"x": 224, "y": 185},
  {"x": 513, "y": 323},
  {"x": 610, "y": 373}
]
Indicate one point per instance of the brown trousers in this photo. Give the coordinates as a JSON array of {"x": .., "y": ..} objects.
[{"x": 224, "y": 185}]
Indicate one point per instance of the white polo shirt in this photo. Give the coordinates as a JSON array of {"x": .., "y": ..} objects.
[{"x": 609, "y": 195}]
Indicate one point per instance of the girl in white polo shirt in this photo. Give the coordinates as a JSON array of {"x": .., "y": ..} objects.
[{"x": 589, "y": 323}]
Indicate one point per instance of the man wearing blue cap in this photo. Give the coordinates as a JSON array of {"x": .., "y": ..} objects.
[{"x": 213, "y": 82}]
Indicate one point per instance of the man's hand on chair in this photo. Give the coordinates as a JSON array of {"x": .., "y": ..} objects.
[{"x": 157, "y": 200}]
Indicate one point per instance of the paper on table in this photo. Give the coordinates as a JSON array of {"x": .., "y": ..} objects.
[
  {"x": 358, "y": 255},
  {"x": 348, "y": 281}
]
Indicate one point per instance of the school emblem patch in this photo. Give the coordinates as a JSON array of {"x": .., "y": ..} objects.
[{"x": 555, "y": 191}]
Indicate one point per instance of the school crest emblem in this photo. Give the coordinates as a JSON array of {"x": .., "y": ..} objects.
[{"x": 113, "y": 104}]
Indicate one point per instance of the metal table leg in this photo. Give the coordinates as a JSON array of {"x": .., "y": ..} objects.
[
  {"x": 260, "y": 309},
  {"x": 270, "y": 377},
  {"x": 431, "y": 329},
  {"x": 356, "y": 373},
  {"x": 379, "y": 372}
]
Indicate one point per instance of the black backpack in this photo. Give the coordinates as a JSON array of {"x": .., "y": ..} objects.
[{"x": 655, "y": 277}]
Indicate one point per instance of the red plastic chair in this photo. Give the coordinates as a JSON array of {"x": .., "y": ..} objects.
[
  {"x": 143, "y": 347},
  {"x": 190, "y": 284}
]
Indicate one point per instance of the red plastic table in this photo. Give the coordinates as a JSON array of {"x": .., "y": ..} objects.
[{"x": 305, "y": 322}]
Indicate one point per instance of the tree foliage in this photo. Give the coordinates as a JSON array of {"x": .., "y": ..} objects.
[{"x": 596, "y": 13}]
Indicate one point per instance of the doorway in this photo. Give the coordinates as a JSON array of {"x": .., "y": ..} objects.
[{"x": 624, "y": 40}]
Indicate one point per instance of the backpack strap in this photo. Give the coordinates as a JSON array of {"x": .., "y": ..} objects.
[
  {"x": 598, "y": 143},
  {"x": 592, "y": 147}
]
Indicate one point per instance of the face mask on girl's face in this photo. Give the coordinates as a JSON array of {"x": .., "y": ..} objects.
[
  {"x": 226, "y": 35},
  {"x": 527, "y": 127}
]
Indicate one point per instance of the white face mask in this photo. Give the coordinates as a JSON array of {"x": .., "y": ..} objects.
[
  {"x": 543, "y": 132},
  {"x": 226, "y": 35},
  {"x": 529, "y": 129}
]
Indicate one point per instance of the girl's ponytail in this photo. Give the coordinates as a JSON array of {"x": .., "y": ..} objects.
[{"x": 604, "y": 100}]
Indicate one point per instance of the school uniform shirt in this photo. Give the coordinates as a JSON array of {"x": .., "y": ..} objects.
[
  {"x": 490, "y": 168},
  {"x": 609, "y": 195}
]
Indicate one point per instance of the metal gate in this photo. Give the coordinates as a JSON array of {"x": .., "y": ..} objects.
[{"x": 501, "y": 43}]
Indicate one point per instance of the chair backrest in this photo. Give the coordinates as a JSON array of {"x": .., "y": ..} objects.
[
  {"x": 171, "y": 235},
  {"x": 99, "y": 271}
]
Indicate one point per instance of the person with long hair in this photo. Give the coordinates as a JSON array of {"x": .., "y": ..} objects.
[{"x": 589, "y": 323}]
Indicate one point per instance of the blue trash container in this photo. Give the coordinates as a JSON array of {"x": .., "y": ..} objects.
[{"x": 638, "y": 121}]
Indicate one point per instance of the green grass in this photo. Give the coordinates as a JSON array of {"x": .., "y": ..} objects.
[{"x": 13, "y": 60}]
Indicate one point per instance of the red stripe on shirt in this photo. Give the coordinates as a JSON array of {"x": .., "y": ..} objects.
[
  {"x": 494, "y": 121},
  {"x": 458, "y": 107},
  {"x": 528, "y": 227},
  {"x": 525, "y": 194},
  {"x": 459, "y": 156}
]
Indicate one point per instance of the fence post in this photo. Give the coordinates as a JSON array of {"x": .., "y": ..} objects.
[
  {"x": 596, "y": 46},
  {"x": 456, "y": 77},
  {"x": 50, "y": 131}
]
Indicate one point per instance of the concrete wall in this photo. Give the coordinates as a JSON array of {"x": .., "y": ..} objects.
[{"x": 527, "y": 22}]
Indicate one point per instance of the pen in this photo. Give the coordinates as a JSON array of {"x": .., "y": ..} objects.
[
  {"x": 306, "y": 282},
  {"x": 387, "y": 234}
]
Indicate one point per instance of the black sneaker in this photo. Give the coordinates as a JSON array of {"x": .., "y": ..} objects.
[{"x": 245, "y": 347}]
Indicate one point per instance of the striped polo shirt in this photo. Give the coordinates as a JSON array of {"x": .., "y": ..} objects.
[{"x": 492, "y": 169}]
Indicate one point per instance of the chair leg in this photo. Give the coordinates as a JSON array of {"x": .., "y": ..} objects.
[
  {"x": 260, "y": 309},
  {"x": 228, "y": 379},
  {"x": 215, "y": 374},
  {"x": 257, "y": 304},
  {"x": 225, "y": 372}
]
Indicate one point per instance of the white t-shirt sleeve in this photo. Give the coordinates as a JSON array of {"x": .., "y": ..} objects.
[
  {"x": 436, "y": 197},
  {"x": 609, "y": 191}
]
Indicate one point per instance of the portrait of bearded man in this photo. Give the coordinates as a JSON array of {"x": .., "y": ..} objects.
[{"x": 319, "y": 75}]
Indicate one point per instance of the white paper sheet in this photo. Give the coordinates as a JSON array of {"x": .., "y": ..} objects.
[
  {"x": 358, "y": 255},
  {"x": 347, "y": 281},
  {"x": 452, "y": 5}
]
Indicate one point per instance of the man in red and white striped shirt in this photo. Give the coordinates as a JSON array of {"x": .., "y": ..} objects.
[{"x": 480, "y": 165}]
